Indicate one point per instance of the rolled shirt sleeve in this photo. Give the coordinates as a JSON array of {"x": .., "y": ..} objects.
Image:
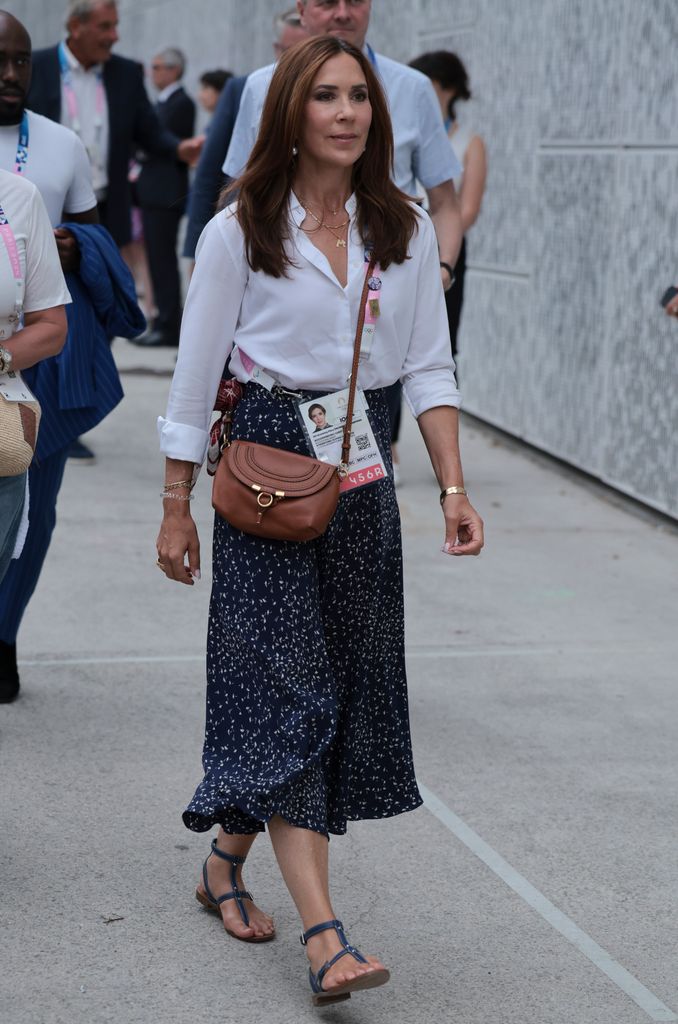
[{"x": 210, "y": 318}]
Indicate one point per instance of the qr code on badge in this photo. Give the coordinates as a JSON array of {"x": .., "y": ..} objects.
[{"x": 362, "y": 441}]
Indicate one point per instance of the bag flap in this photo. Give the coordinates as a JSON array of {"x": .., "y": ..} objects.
[{"x": 274, "y": 469}]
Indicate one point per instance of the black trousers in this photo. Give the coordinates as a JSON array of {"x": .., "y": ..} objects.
[{"x": 161, "y": 228}]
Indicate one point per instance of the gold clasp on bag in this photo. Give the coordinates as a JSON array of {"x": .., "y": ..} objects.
[{"x": 265, "y": 499}]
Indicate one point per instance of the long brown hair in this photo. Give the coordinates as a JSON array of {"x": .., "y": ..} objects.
[{"x": 385, "y": 217}]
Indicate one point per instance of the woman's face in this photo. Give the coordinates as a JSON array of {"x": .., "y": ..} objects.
[
  {"x": 318, "y": 417},
  {"x": 338, "y": 114}
]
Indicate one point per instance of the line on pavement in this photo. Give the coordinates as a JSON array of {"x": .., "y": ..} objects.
[
  {"x": 600, "y": 958},
  {"x": 411, "y": 653}
]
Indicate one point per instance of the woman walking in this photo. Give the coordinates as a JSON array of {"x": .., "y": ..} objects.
[{"x": 307, "y": 717}]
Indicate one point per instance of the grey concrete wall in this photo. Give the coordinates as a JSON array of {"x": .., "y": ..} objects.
[{"x": 563, "y": 342}]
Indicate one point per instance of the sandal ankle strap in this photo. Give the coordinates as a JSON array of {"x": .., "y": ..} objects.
[
  {"x": 230, "y": 857},
  {"x": 235, "y": 894},
  {"x": 324, "y": 927}
]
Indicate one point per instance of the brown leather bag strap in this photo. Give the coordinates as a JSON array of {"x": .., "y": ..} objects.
[{"x": 346, "y": 443}]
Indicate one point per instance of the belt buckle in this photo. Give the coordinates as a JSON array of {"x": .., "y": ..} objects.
[{"x": 279, "y": 391}]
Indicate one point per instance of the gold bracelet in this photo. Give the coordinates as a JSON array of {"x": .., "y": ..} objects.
[
  {"x": 451, "y": 490},
  {"x": 179, "y": 483},
  {"x": 177, "y": 497}
]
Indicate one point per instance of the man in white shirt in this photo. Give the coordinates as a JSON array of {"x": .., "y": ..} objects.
[
  {"x": 422, "y": 150},
  {"x": 49, "y": 155}
]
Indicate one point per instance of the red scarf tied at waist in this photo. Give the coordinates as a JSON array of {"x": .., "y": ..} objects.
[{"x": 229, "y": 394}]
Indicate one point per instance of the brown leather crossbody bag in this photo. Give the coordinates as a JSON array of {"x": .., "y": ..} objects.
[{"x": 281, "y": 495}]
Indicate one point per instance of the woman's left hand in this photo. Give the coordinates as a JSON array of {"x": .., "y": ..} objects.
[{"x": 463, "y": 526}]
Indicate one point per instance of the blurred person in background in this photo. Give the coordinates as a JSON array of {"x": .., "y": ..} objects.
[
  {"x": 77, "y": 389},
  {"x": 32, "y": 287},
  {"x": 82, "y": 84},
  {"x": 451, "y": 84},
  {"x": 209, "y": 178},
  {"x": 211, "y": 87},
  {"x": 161, "y": 190}
]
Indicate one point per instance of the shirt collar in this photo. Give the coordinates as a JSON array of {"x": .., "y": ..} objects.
[
  {"x": 168, "y": 91},
  {"x": 298, "y": 212},
  {"x": 75, "y": 65}
]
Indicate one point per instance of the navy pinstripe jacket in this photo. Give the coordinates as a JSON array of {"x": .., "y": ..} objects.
[{"x": 80, "y": 386}]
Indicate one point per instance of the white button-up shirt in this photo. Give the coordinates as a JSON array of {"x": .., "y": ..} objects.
[
  {"x": 421, "y": 148},
  {"x": 91, "y": 126},
  {"x": 300, "y": 329}
]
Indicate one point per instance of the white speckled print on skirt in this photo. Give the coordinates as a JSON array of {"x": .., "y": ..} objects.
[{"x": 307, "y": 712}]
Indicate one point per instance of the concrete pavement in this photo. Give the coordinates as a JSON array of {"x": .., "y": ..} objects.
[{"x": 545, "y": 720}]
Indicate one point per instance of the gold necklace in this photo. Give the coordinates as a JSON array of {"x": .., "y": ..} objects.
[
  {"x": 323, "y": 224},
  {"x": 303, "y": 203},
  {"x": 341, "y": 242}
]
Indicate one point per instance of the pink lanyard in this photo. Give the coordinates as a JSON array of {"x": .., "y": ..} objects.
[
  {"x": 9, "y": 240},
  {"x": 72, "y": 99},
  {"x": 372, "y": 309}
]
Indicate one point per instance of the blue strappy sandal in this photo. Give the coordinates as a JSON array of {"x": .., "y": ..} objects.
[
  {"x": 340, "y": 992},
  {"x": 213, "y": 903}
]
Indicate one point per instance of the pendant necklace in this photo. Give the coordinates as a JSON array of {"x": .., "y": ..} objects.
[{"x": 341, "y": 242}]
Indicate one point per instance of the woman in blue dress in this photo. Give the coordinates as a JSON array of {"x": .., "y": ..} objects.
[{"x": 307, "y": 718}]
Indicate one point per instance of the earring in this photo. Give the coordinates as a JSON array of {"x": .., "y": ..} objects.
[{"x": 295, "y": 150}]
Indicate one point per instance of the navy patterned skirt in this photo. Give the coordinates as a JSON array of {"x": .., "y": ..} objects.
[{"x": 307, "y": 712}]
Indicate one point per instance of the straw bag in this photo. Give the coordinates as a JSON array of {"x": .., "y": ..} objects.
[{"x": 19, "y": 422}]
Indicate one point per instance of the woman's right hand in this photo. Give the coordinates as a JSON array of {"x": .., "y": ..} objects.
[{"x": 178, "y": 538}]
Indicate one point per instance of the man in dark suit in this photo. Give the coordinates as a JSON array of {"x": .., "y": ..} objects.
[
  {"x": 106, "y": 104},
  {"x": 161, "y": 190}
]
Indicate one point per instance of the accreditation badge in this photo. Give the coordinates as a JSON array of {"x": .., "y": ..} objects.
[{"x": 323, "y": 421}]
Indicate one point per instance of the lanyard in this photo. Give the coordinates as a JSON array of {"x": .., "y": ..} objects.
[
  {"x": 372, "y": 56},
  {"x": 372, "y": 309},
  {"x": 9, "y": 240},
  {"x": 72, "y": 99},
  {"x": 22, "y": 146}
]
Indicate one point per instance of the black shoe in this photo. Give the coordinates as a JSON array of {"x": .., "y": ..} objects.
[
  {"x": 156, "y": 338},
  {"x": 79, "y": 451},
  {"x": 9, "y": 676}
]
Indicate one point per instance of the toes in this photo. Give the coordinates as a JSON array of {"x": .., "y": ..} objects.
[{"x": 245, "y": 931}]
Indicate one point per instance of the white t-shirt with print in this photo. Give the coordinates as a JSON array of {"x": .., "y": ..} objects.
[
  {"x": 43, "y": 284},
  {"x": 57, "y": 164}
]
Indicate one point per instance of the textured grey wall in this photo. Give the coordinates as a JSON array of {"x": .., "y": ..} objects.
[{"x": 563, "y": 342}]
